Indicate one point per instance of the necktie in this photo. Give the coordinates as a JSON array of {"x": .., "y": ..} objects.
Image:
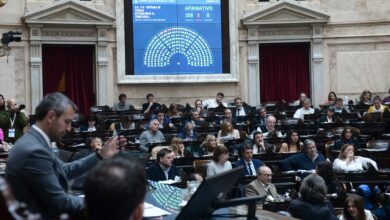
[
  {"x": 268, "y": 191},
  {"x": 250, "y": 169}
]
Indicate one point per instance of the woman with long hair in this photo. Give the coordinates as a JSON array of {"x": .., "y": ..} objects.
[
  {"x": 209, "y": 144},
  {"x": 348, "y": 162},
  {"x": 365, "y": 98},
  {"x": 177, "y": 147},
  {"x": 348, "y": 136},
  {"x": 354, "y": 209},
  {"x": 331, "y": 98},
  {"x": 173, "y": 112},
  {"x": 227, "y": 131},
  {"x": 293, "y": 143}
]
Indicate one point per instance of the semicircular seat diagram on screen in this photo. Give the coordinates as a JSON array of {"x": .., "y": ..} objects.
[
  {"x": 179, "y": 50},
  {"x": 178, "y": 40}
]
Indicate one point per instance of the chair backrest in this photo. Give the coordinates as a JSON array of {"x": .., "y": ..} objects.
[
  {"x": 378, "y": 144},
  {"x": 200, "y": 166},
  {"x": 290, "y": 121},
  {"x": 337, "y": 131}
]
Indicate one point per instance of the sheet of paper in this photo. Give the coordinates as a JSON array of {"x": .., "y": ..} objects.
[{"x": 153, "y": 211}]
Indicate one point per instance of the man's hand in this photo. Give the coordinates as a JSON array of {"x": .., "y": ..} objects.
[{"x": 112, "y": 146}]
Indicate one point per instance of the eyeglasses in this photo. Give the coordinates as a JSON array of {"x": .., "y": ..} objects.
[{"x": 266, "y": 174}]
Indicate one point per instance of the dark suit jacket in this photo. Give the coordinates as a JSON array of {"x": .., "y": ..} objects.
[
  {"x": 156, "y": 173},
  {"x": 40, "y": 180},
  {"x": 308, "y": 211},
  {"x": 324, "y": 119},
  {"x": 183, "y": 136},
  {"x": 256, "y": 163}
]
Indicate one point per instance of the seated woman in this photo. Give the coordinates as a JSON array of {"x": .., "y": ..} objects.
[
  {"x": 354, "y": 209},
  {"x": 347, "y": 161},
  {"x": 347, "y": 137},
  {"x": 220, "y": 161},
  {"x": 227, "y": 132},
  {"x": 365, "y": 98},
  {"x": 173, "y": 112},
  {"x": 331, "y": 98},
  {"x": 125, "y": 123},
  {"x": 336, "y": 190},
  {"x": 377, "y": 106},
  {"x": 209, "y": 144},
  {"x": 312, "y": 204},
  {"x": 177, "y": 147},
  {"x": 293, "y": 143}
]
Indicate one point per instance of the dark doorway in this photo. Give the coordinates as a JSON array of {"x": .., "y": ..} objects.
[
  {"x": 284, "y": 71},
  {"x": 70, "y": 69}
]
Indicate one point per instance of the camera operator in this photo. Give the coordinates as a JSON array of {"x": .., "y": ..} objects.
[{"x": 13, "y": 121}]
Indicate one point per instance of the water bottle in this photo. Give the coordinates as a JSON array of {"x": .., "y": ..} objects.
[
  {"x": 54, "y": 148},
  {"x": 1, "y": 134}
]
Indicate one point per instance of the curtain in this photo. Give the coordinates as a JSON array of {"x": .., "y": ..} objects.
[
  {"x": 69, "y": 69},
  {"x": 284, "y": 71}
]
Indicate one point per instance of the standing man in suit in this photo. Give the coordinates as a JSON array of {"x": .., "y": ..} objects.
[
  {"x": 163, "y": 169},
  {"x": 262, "y": 186},
  {"x": 250, "y": 164},
  {"x": 38, "y": 178}
]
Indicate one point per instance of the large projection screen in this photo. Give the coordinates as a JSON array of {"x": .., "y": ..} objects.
[{"x": 177, "y": 37}]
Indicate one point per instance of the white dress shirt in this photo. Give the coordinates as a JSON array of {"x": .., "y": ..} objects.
[
  {"x": 240, "y": 112},
  {"x": 302, "y": 111},
  {"x": 249, "y": 165},
  {"x": 212, "y": 103}
]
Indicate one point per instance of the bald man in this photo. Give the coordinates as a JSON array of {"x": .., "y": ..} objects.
[
  {"x": 262, "y": 186},
  {"x": 269, "y": 129},
  {"x": 12, "y": 121}
]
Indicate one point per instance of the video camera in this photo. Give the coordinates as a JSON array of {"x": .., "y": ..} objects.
[{"x": 10, "y": 37}]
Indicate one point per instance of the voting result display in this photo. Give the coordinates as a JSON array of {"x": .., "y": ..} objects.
[{"x": 172, "y": 37}]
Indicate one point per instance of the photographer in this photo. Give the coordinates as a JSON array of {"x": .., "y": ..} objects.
[{"x": 13, "y": 121}]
